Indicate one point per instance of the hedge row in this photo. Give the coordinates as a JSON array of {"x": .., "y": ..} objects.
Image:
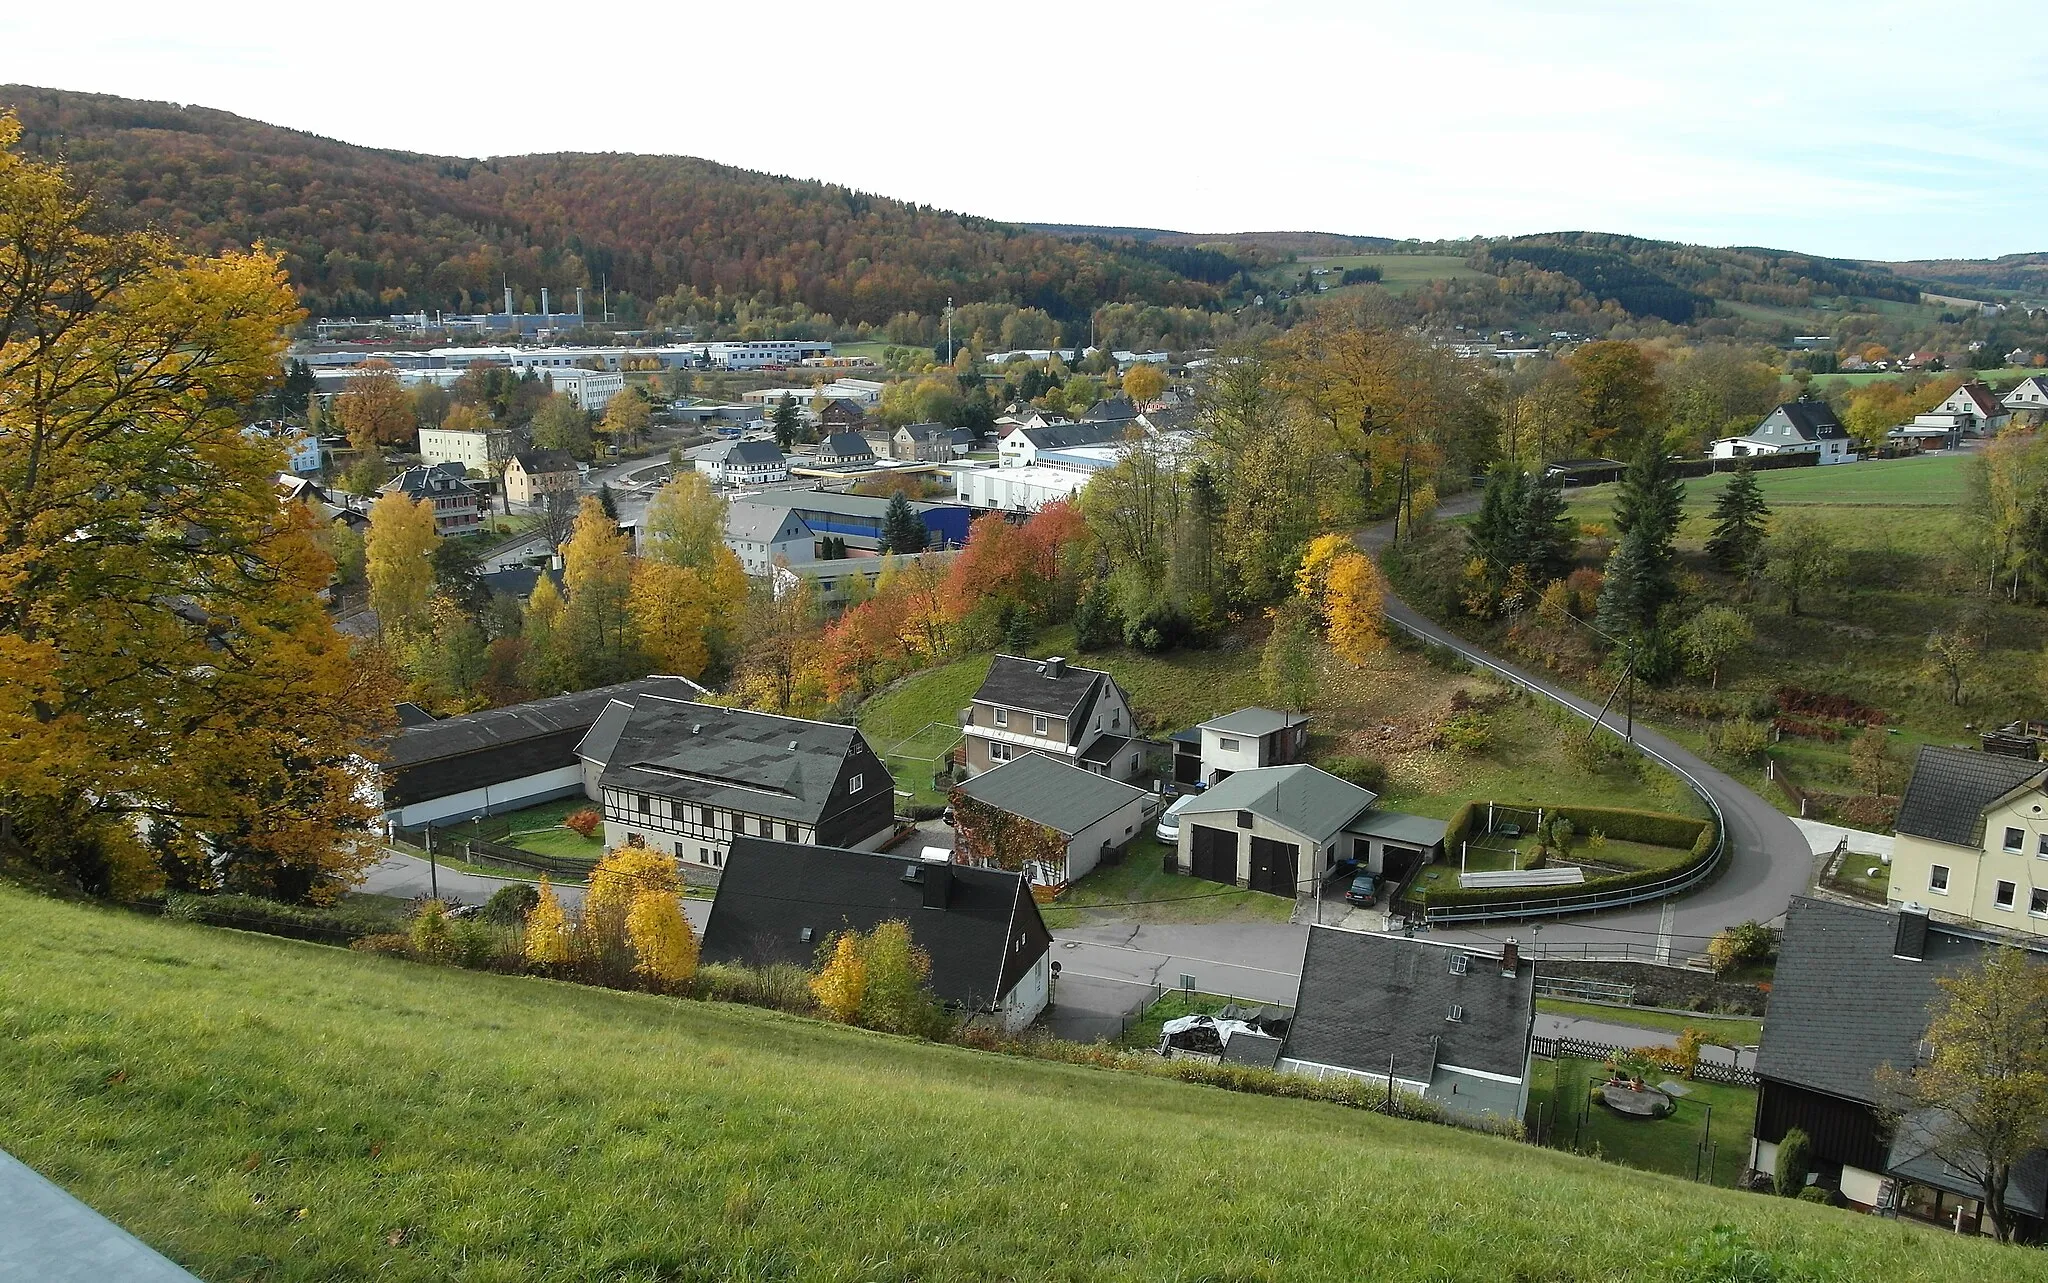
[
  {"x": 1656, "y": 828},
  {"x": 336, "y": 924}
]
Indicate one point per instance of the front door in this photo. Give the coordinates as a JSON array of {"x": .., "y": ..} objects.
[
  {"x": 1213, "y": 854},
  {"x": 1274, "y": 867}
]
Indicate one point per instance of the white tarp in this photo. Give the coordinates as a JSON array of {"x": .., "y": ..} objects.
[{"x": 1555, "y": 876}]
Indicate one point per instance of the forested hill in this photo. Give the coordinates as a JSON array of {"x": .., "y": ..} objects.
[{"x": 367, "y": 231}]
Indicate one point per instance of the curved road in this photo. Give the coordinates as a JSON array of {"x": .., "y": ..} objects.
[{"x": 1769, "y": 859}]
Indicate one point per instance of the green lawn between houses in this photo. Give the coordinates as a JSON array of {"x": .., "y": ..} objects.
[
  {"x": 263, "y": 1109},
  {"x": 1138, "y": 888},
  {"x": 1559, "y": 1094}
]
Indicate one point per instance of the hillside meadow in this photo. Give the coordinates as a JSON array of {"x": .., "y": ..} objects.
[{"x": 263, "y": 1109}]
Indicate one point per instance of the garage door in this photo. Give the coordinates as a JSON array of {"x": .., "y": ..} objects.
[
  {"x": 1274, "y": 866},
  {"x": 1214, "y": 854}
]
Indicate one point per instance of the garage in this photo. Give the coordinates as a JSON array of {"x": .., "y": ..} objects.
[
  {"x": 1274, "y": 867},
  {"x": 1213, "y": 854}
]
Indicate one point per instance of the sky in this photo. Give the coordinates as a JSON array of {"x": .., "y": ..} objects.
[{"x": 1870, "y": 130}]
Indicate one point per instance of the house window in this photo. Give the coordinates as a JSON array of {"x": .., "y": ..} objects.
[
  {"x": 1116, "y": 718},
  {"x": 999, "y": 752},
  {"x": 1227, "y": 744},
  {"x": 1244, "y": 819},
  {"x": 789, "y": 833},
  {"x": 1937, "y": 878},
  {"x": 1455, "y": 1014},
  {"x": 1038, "y": 723},
  {"x": 2044, "y": 846},
  {"x": 2015, "y": 840},
  {"x": 2037, "y": 902},
  {"x": 853, "y": 785},
  {"x": 703, "y": 855},
  {"x": 2003, "y": 900},
  {"x": 646, "y": 805},
  {"x": 1002, "y": 717}
]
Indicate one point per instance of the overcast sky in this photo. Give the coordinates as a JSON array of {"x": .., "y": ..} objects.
[{"x": 1879, "y": 130}]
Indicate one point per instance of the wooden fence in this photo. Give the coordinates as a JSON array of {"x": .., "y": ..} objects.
[{"x": 1705, "y": 1071}]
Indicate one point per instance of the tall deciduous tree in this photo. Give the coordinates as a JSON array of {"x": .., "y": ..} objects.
[
  {"x": 166, "y": 664},
  {"x": 1143, "y": 383},
  {"x": 1980, "y": 1099},
  {"x": 1355, "y": 605},
  {"x": 683, "y": 616},
  {"x": 1715, "y": 635},
  {"x": 1288, "y": 666},
  {"x": 374, "y": 411},
  {"x": 1739, "y": 517},
  {"x": 1801, "y": 556},
  {"x": 596, "y": 625},
  {"x": 1620, "y": 399},
  {"x": 627, "y": 417},
  {"x": 685, "y": 522},
  {"x": 400, "y": 563},
  {"x": 560, "y": 424}
]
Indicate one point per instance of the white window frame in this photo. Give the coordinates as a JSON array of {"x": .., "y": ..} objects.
[
  {"x": 1937, "y": 878},
  {"x": 2005, "y": 895},
  {"x": 1038, "y": 723},
  {"x": 853, "y": 784},
  {"x": 2015, "y": 840},
  {"x": 2037, "y": 896},
  {"x": 998, "y": 752},
  {"x": 1002, "y": 716}
]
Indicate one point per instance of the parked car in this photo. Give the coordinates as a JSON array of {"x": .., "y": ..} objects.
[
  {"x": 947, "y": 817},
  {"x": 1168, "y": 828},
  {"x": 1365, "y": 890}
]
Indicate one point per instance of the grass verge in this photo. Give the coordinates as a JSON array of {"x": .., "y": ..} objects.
[
  {"x": 1140, "y": 890},
  {"x": 1706, "y": 1138}
]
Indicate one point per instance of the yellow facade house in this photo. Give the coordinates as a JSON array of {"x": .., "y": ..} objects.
[{"x": 1972, "y": 840}]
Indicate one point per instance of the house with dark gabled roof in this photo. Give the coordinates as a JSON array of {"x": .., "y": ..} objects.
[
  {"x": 1085, "y": 815},
  {"x": 1796, "y": 427},
  {"x": 1976, "y": 409},
  {"x": 532, "y": 475},
  {"x": 845, "y": 447},
  {"x": 760, "y": 534},
  {"x": 445, "y": 488},
  {"x": 1050, "y": 706},
  {"x": 687, "y": 779},
  {"x": 1971, "y": 840},
  {"x": 2029, "y": 396},
  {"x": 1116, "y": 409},
  {"x": 1854, "y": 992},
  {"x": 1447, "y": 1022},
  {"x": 747, "y": 463},
  {"x": 1021, "y": 446},
  {"x": 990, "y": 952},
  {"x": 442, "y": 771}
]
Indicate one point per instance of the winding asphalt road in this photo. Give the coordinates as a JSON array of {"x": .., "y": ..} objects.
[{"x": 1769, "y": 860}]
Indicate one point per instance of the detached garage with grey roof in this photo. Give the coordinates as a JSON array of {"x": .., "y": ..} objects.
[{"x": 1094, "y": 815}]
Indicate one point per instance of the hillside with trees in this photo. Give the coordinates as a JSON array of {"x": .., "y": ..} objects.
[{"x": 365, "y": 231}]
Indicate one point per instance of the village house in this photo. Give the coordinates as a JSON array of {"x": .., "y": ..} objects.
[
  {"x": 845, "y": 448},
  {"x": 1083, "y": 815},
  {"x": 443, "y": 486},
  {"x": 746, "y": 463},
  {"x": 1208, "y": 754},
  {"x": 1050, "y": 706},
  {"x": 1971, "y": 840},
  {"x": 1796, "y": 427},
  {"x": 532, "y": 475},
  {"x": 686, "y": 779},
  {"x": 760, "y": 535},
  {"x": 2029, "y": 397}
]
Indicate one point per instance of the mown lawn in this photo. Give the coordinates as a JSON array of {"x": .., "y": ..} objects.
[
  {"x": 1725, "y": 1031},
  {"x": 1716, "y": 1115},
  {"x": 1140, "y": 890},
  {"x": 260, "y": 1109}
]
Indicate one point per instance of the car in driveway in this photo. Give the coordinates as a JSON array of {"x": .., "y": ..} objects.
[
  {"x": 1168, "y": 828},
  {"x": 1365, "y": 890}
]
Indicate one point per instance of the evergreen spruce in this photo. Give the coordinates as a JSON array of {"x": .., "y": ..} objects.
[
  {"x": 1638, "y": 585},
  {"x": 1498, "y": 530},
  {"x": 1739, "y": 516},
  {"x": 901, "y": 529},
  {"x": 1651, "y": 496},
  {"x": 786, "y": 423},
  {"x": 1549, "y": 538},
  {"x": 607, "y": 502}
]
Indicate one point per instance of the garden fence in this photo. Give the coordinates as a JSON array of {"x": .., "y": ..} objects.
[
  {"x": 1706, "y": 1071},
  {"x": 481, "y": 851}
]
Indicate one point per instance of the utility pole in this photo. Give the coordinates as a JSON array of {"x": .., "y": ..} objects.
[{"x": 949, "y": 331}]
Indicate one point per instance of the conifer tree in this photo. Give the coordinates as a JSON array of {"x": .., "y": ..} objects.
[
  {"x": 902, "y": 530},
  {"x": 1739, "y": 516},
  {"x": 786, "y": 423},
  {"x": 1651, "y": 496},
  {"x": 1547, "y": 535},
  {"x": 1637, "y": 586}
]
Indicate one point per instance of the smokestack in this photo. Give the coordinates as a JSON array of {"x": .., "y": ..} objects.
[
  {"x": 579, "y": 302},
  {"x": 508, "y": 305},
  {"x": 1911, "y": 941},
  {"x": 1510, "y": 957},
  {"x": 543, "y": 301}
]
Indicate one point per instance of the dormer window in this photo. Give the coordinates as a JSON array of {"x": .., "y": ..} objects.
[{"x": 1455, "y": 1014}]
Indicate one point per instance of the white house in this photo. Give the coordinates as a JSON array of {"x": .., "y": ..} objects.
[
  {"x": 743, "y": 463},
  {"x": 479, "y": 452},
  {"x": 758, "y": 534},
  {"x": 1092, "y": 815},
  {"x": 1020, "y": 446},
  {"x": 591, "y": 390},
  {"x": 1976, "y": 411},
  {"x": 2031, "y": 393},
  {"x": 1245, "y": 740},
  {"x": 1796, "y": 427}
]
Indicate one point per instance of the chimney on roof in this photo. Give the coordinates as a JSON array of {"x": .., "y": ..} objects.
[
  {"x": 1510, "y": 957},
  {"x": 1911, "y": 941},
  {"x": 938, "y": 885},
  {"x": 1056, "y": 667}
]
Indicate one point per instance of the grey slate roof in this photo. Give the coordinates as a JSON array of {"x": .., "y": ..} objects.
[
  {"x": 1016, "y": 682},
  {"x": 1060, "y": 436},
  {"x": 786, "y": 768},
  {"x": 1912, "y": 1157},
  {"x": 1044, "y": 790},
  {"x": 752, "y": 452},
  {"x": 54, "y": 1238},
  {"x": 1367, "y": 997},
  {"x": 1842, "y": 1004},
  {"x": 1946, "y": 795},
  {"x": 1307, "y": 799},
  {"x": 1811, "y": 420},
  {"x": 1394, "y": 826},
  {"x": 539, "y": 462},
  {"x": 988, "y": 935},
  {"x": 1253, "y": 722},
  {"x": 760, "y": 523},
  {"x": 1116, "y": 409},
  {"x": 845, "y": 445}
]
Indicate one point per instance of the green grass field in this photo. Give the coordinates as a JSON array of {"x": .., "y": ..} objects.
[
  {"x": 1671, "y": 1145},
  {"x": 259, "y": 1109},
  {"x": 1399, "y": 273},
  {"x": 1139, "y": 889}
]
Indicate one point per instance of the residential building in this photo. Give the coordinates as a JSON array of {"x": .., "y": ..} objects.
[
  {"x": 747, "y": 463},
  {"x": 1023, "y": 414},
  {"x": 1853, "y": 993},
  {"x": 1796, "y": 427},
  {"x": 502, "y": 759},
  {"x": 590, "y": 389},
  {"x": 842, "y": 414},
  {"x": 1091, "y": 815},
  {"x": 844, "y": 448},
  {"x": 2029, "y": 396},
  {"x": 302, "y": 448},
  {"x": 456, "y": 509},
  {"x": 1448, "y": 1022},
  {"x": 1115, "y": 409},
  {"x": 759, "y": 534},
  {"x": 1020, "y": 446},
  {"x": 1251, "y": 737},
  {"x": 1971, "y": 839},
  {"x": 930, "y": 442},
  {"x": 532, "y": 475},
  {"x": 481, "y": 452},
  {"x": 990, "y": 952},
  {"x": 1281, "y": 829},
  {"x": 686, "y": 779},
  {"x": 1976, "y": 410},
  {"x": 832, "y": 580},
  {"x": 1017, "y": 489},
  {"x": 1050, "y": 706}
]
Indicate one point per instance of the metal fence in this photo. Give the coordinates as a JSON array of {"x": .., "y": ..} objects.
[
  {"x": 1614, "y": 991},
  {"x": 1706, "y": 1071},
  {"x": 1675, "y": 883}
]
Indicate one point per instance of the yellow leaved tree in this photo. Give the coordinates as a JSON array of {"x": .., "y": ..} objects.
[
  {"x": 548, "y": 940},
  {"x": 664, "y": 946},
  {"x": 165, "y": 665},
  {"x": 1354, "y": 603},
  {"x": 398, "y": 562},
  {"x": 841, "y": 986}
]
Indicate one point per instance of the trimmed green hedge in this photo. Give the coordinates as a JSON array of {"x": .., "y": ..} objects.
[
  {"x": 1655, "y": 828},
  {"x": 331, "y": 924}
]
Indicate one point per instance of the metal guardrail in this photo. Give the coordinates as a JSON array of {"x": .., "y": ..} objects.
[{"x": 1586, "y": 901}]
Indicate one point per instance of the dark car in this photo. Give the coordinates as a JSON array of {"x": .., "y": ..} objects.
[{"x": 1365, "y": 890}]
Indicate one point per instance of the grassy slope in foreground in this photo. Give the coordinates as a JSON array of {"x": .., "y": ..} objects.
[{"x": 258, "y": 1108}]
